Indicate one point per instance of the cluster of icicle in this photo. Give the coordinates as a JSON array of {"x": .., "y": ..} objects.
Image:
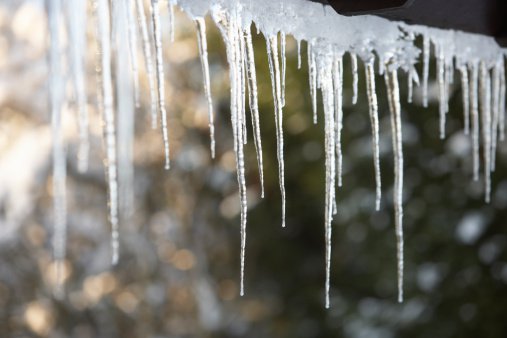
[{"x": 120, "y": 24}]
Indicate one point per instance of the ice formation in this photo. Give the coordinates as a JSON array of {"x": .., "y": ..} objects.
[{"x": 376, "y": 42}]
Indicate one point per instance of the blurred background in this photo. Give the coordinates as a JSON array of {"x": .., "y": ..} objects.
[{"x": 178, "y": 274}]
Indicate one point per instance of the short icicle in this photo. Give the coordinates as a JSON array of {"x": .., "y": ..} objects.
[
  {"x": 474, "y": 106},
  {"x": 465, "y": 92},
  {"x": 442, "y": 84},
  {"x": 485, "y": 108},
  {"x": 312, "y": 75},
  {"x": 374, "y": 120},
  {"x": 56, "y": 100},
  {"x": 274, "y": 67},
  {"x": 148, "y": 60},
  {"x": 253, "y": 102},
  {"x": 106, "y": 107},
  {"x": 355, "y": 77},
  {"x": 426, "y": 69},
  {"x": 391, "y": 77},
  {"x": 299, "y": 53},
  {"x": 157, "y": 35},
  {"x": 283, "y": 46},
  {"x": 203, "y": 53},
  {"x": 337, "y": 72}
]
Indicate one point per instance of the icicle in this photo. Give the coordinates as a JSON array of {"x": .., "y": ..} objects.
[
  {"x": 133, "y": 51},
  {"x": 148, "y": 61},
  {"x": 495, "y": 113},
  {"x": 501, "y": 112},
  {"x": 410, "y": 80},
  {"x": 442, "y": 85},
  {"x": 253, "y": 102},
  {"x": 76, "y": 23},
  {"x": 56, "y": 92},
  {"x": 312, "y": 74},
  {"x": 426, "y": 68},
  {"x": 242, "y": 83},
  {"x": 474, "y": 104},
  {"x": 170, "y": 8},
  {"x": 274, "y": 68},
  {"x": 229, "y": 28},
  {"x": 373, "y": 108},
  {"x": 125, "y": 86},
  {"x": 355, "y": 77},
  {"x": 328, "y": 77},
  {"x": 465, "y": 90},
  {"x": 391, "y": 78},
  {"x": 299, "y": 53},
  {"x": 106, "y": 107},
  {"x": 283, "y": 44},
  {"x": 485, "y": 90},
  {"x": 338, "y": 98},
  {"x": 203, "y": 52},
  {"x": 157, "y": 35}
]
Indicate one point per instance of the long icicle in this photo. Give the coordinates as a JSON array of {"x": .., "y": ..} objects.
[
  {"x": 485, "y": 94},
  {"x": 56, "y": 98},
  {"x": 106, "y": 107},
  {"x": 76, "y": 21},
  {"x": 391, "y": 78},
  {"x": 373, "y": 108},
  {"x": 203, "y": 53},
  {"x": 465, "y": 92},
  {"x": 148, "y": 60},
  {"x": 474, "y": 105},
  {"x": 327, "y": 80},
  {"x": 132, "y": 34},
  {"x": 229, "y": 28},
  {"x": 253, "y": 102},
  {"x": 426, "y": 69},
  {"x": 355, "y": 77},
  {"x": 338, "y": 98},
  {"x": 274, "y": 66},
  {"x": 157, "y": 35},
  {"x": 125, "y": 86}
]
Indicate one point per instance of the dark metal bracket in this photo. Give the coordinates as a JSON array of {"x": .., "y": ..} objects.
[{"x": 487, "y": 17}]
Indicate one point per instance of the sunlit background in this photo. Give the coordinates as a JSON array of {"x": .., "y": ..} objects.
[{"x": 178, "y": 274}]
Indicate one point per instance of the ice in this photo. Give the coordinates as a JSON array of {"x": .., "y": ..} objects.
[
  {"x": 485, "y": 100},
  {"x": 76, "y": 23},
  {"x": 338, "y": 98},
  {"x": 253, "y": 102},
  {"x": 148, "y": 60},
  {"x": 479, "y": 60},
  {"x": 203, "y": 53},
  {"x": 355, "y": 77},
  {"x": 426, "y": 68},
  {"x": 373, "y": 108},
  {"x": 228, "y": 24},
  {"x": 312, "y": 75},
  {"x": 56, "y": 101},
  {"x": 274, "y": 69},
  {"x": 157, "y": 37},
  {"x": 465, "y": 93},
  {"x": 125, "y": 99},
  {"x": 106, "y": 107},
  {"x": 391, "y": 78}
]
